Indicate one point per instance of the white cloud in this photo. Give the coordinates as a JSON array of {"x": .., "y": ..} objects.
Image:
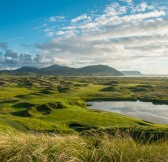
[
  {"x": 122, "y": 36},
  {"x": 115, "y": 9},
  {"x": 80, "y": 18},
  {"x": 142, "y": 7},
  {"x": 60, "y": 33},
  {"x": 47, "y": 30},
  {"x": 128, "y": 1},
  {"x": 60, "y": 61},
  {"x": 50, "y": 34},
  {"x": 56, "y": 18}
]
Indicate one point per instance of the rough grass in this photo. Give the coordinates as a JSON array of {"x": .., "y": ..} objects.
[{"x": 23, "y": 147}]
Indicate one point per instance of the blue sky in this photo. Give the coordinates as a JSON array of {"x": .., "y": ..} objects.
[
  {"x": 125, "y": 34},
  {"x": 23, "y": 18}
]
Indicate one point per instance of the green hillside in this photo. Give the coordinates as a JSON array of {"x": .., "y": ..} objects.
[{"x": 59, "y": 104}]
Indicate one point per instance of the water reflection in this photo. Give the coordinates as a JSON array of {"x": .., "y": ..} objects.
[{"x": 143, "y": 110}]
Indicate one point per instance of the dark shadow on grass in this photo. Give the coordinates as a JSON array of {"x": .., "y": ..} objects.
[
  {"x": 141, "y": 88},
  {"x": 8, "y": 101},
  {"x": 23, "y": 96},
  {"x": 32, "y": 109},
  {"x": 146, "y": 123},
  {"x": 23, "y": 105},
  {"x": 20, "y": 113},
  {"x": 98, "y": 111},
  {"x": 140, "y": 135},
  {"x": 46, "y": 91},
  {"x": 110, "y": 89},
  {"x": 80, "y": 127}
]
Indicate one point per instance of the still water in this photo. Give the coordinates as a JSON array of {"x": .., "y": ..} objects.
[{"x": 143, "y": 110}]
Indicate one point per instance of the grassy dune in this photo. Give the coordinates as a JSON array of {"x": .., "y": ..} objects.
[
  {"x": 46, "y": 119},
  {"x": 51, "y": 148},
  {"x": 26, "y": 102}
]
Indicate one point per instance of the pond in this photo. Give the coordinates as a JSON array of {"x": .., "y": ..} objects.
[{"x": 143, "y": 110}]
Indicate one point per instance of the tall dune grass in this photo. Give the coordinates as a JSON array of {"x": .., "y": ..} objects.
[{"x": 73, "y": 148}]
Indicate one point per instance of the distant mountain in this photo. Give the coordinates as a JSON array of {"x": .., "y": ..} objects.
[
  {"x": 99, "y": 70},
  {"x": 131, "y": 73},
  {"x": 53, "y": 67},
  {"x": 94, "y": 70},
  {"x": 20, "y": 70},
  {"x": 26, "y": 70},
  {"x": 58, "y": 70}
]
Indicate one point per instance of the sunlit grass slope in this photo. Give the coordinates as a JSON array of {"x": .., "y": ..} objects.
[{"x": 58, "y": 104}]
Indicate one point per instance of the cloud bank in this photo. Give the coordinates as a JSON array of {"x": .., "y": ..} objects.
[{"x": 123, "y": 36}]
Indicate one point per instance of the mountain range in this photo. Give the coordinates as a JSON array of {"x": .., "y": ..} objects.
[{"x": 93, "y": 70}]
